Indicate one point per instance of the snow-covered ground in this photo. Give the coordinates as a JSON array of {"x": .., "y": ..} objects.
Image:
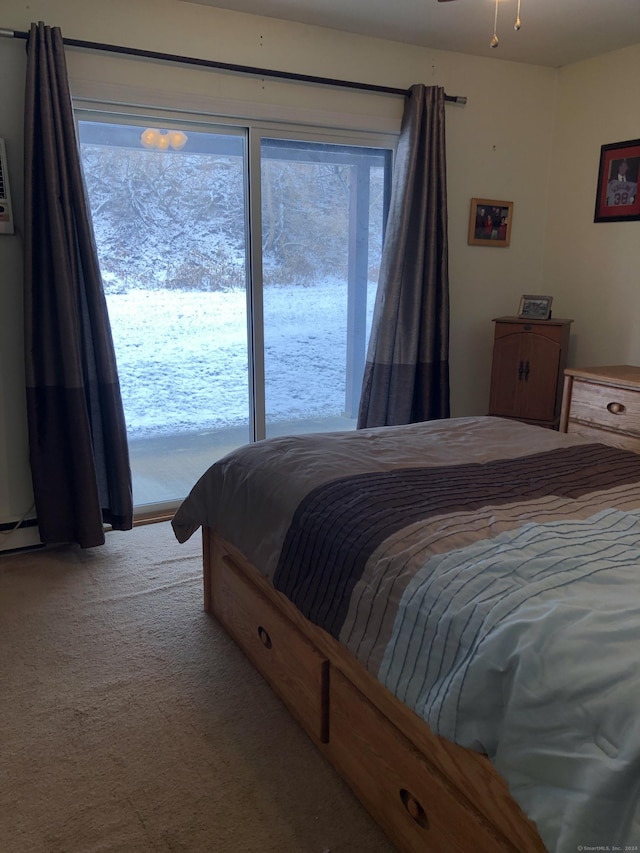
[{"x": 182, "y": 356}]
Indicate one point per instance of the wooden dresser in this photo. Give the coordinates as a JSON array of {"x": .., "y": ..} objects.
[
  {"x": 603, "y": 404},
  {"x": 529, "y": 357}
]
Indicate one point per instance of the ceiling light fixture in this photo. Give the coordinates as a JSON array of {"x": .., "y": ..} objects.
[
  {"x": 495, "y": 41},
  {"x": 163, "y": 139}
]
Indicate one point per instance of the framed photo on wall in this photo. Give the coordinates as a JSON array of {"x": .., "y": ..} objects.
[
  {"x": 617, "y": 194},
  {"x": 490, "y": 222}
]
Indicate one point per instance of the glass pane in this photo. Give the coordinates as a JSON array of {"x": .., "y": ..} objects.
[
  {"x": 323, "y": 212},
  {"x": 168, "y": 209}
]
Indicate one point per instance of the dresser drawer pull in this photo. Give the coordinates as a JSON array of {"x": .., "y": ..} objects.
[
  {"x": 265, "y": 639},
  {"x": 414, "y": 808},
  {"x": 616, "y": 408}
]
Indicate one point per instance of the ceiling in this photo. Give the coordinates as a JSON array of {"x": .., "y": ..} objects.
[{"x": 553, "y": 32}]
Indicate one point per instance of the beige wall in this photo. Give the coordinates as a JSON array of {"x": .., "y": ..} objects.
[
  {"x": 594, "y": 267},
  {"x": 503, "y": 144}
]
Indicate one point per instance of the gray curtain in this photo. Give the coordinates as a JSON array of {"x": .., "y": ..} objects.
[
  {"x": 406, "y": 377},
  {"x": 77, "y": 433}
]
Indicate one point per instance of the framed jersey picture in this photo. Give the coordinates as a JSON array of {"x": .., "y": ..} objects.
[{"x": 617, "y": 195}]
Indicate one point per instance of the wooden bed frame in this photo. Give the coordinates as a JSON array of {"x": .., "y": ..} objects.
[{"x": 426, "y": 793}]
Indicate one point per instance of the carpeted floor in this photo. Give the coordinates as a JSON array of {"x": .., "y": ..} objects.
[{"x": 130, "y": 722}]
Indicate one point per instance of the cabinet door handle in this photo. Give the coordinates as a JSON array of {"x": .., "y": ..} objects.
[
  {"x": 526, "y": 372},
  {"x": 520, "y": 370}
]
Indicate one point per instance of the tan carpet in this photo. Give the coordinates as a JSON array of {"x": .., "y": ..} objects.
[{"x": 131, "y": 723}]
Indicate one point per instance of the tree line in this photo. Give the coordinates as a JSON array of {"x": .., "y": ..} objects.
[{"x": 178, "y": 220}]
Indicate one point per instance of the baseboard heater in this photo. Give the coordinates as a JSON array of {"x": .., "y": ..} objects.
[
  {"x": 19, "y": 536},
  {"x": 18, "y": 525},
  {"x": 6, "y": 214}
]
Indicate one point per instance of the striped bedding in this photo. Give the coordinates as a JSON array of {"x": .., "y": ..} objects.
[{"x": 487, "y": 572}]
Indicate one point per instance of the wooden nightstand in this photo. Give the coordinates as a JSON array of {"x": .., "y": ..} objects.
[
  {"x": 603, "y": 404},
  {"x": 529, "y": 357}
]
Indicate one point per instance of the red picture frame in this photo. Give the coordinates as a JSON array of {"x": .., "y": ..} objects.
[{"x": 617, "y": 197}]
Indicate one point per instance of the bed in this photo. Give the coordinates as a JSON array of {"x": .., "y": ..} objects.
[{"x": 451, "y": 610}]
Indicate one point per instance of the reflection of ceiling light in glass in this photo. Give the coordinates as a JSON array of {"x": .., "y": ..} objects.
[{"x": 163, "y": 139}]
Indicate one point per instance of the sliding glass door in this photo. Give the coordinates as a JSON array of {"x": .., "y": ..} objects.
[
  {"x": 239, "y": 268},
  {"x": 322, "y": 219},
  {"x": 169, "y": 214}
]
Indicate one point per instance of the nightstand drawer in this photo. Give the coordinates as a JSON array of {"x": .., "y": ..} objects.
[
  {"x": 616, "y": 439},
  {"x": 615, "y": 409}
]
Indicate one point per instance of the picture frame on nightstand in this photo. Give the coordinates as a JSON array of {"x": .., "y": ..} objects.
[{"x": 534, "y": 307}]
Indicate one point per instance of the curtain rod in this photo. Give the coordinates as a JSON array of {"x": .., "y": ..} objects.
[{"x": 226, "y": 66}]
